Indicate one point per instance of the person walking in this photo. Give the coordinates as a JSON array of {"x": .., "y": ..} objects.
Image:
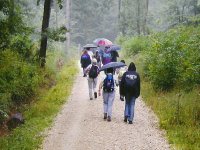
[
  {"x": 92, "y": 71},
  {"x": 106, "y": 56},
  {"x": 108, "y": 86},
  {"x": 85, "y": 61},
  {"x": 114, "y": 55},
  {"x": 130, "y": 89}
]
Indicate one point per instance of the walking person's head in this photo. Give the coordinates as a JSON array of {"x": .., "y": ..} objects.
[
  {"x": 94, "y": 61},
  {"x": 131, "y": 67},
  {"x": 109, "y": 70},
  {"x": 123, "y": 61}
]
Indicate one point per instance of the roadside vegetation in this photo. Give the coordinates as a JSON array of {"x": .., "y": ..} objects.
[
  {"x": 51, "y": 87},
  {"x": 169, "y": 64}
]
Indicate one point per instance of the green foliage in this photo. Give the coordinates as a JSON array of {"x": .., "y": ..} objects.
[
  {"x": 135, "y": 45},
  {"x": 173, "y": 58},
  {"x": 169, "y": 65},
  {"x": 40, "y": 115},
  {"x": 18, "y": 80},
  {"x": 178, "y": 115},
  {"x": 11, "y": 23},
  {"x": 58, "y": 34}
]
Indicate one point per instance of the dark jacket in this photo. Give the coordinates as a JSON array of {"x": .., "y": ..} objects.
[
  {"x": 85, "y": 60},
  {"x": 124, "y": 89}
]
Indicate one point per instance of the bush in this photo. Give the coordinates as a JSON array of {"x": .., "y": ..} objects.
[
  {"x": 18, "y": 80},
  {"x": 135, "y": 45},
  {"x": 173, "y": 58}
]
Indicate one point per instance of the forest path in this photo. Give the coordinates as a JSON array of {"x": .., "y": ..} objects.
[{"x": 80, "y": 125}]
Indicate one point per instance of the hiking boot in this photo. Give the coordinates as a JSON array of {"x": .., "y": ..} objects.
[
  {"x": 105, "y": 116},
  {"x": 125, "y": 119},
  {"x": 95, "y": 94},
  {"x": 130, "y": 122},
  {"x": 109, "y": 119},
  {"x": 91, "y": 98}
]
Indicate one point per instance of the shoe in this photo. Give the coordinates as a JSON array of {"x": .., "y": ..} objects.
[
  {"x": 130, "y": 122},
  {"x": 84, "y": 75},
  {"x": 105, "y": 116},
  {"x": 121, "y": 98},
  {"x": 91, "y": 98},
  {"x": 125, "y": 119},
  {"x": 109, "y": 119},
  {"x": 95, "y": 94}
]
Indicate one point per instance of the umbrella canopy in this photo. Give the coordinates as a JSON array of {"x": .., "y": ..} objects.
[
  {"x": 102, "y": 42},
  {"x": 114, "y": 48},
  {"x": 90, "y": 46},
  {"x": 112, "y": 65}
]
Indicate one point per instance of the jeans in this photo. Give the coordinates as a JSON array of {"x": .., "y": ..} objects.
[
  {"x": 129, "y": 107},
  {"x": 92, "y": 83},
  {"x": 108, "y": 98}
]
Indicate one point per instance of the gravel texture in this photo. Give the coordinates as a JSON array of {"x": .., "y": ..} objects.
[{"x": 80, "y": 125}]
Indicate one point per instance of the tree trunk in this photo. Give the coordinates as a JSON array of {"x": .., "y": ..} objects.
[
  {"x": 68, "y": 11},
  {"x": 45, "y": 25},
  {"x": 145, "y": 29},
  {"x": 138, "y": 17},
  {"x": 119, "y": 9}
]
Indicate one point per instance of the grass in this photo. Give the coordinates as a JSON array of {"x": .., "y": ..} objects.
[
  {"x": 179, "y": 115},
  {"x": 39, "y": 115}
]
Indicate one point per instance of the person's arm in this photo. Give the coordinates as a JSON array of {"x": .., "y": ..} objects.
[
  {"x": 138, "y": 94},
  {"x": 100, "y": 87},
  {"x": 122, "y": 88},
  {"x": 88, "y": 69}
]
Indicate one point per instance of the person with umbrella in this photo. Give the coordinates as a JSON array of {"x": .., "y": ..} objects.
[
  {"x": 130, "y": 89},
  {"x": 108, "y": 86}
]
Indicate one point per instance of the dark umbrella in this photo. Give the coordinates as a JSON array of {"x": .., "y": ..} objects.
[
  {"x": 112, "y": 65},
  {"x": 114, "y": 48},
  {"x": 90, "y": 46}
]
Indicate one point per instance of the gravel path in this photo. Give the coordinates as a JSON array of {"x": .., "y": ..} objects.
[{"x": 80, "y": 126}]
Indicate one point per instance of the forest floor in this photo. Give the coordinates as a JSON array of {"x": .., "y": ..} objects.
[{"x": 80, "y": 125}]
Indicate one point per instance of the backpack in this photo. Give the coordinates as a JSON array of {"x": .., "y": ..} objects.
[
  {"x": 93, "y": 73},
  {"x": 131, "y": 82},
  {"x": 108, "y": 83},
  {"x": 85, "y": 60},
  {"x": 85, "y": 57}
]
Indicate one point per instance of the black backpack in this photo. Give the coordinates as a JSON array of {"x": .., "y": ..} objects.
[
  {"x": 93, "y": 73},
  {"x": 131, "y": 82},
  {"x": 108, "y": 83}
]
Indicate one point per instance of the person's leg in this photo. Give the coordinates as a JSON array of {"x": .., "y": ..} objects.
[
  {"x": 84, "y": 75},
  {"x": 105, "y": 104},
  {"x": 90, "y": 83},
  {"x": 94, "y": 87},
  {"x": 126, "y": 111},
  {"x": 110, "y": 104},
  {"x": 132, "y": 108}
]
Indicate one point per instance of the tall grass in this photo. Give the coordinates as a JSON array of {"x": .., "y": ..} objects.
[
  {"x": 179, "y": 115},
  {"x": 39, "y": 115}
]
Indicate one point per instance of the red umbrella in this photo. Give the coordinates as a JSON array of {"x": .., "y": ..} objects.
[{"x": 102, "y": 42}]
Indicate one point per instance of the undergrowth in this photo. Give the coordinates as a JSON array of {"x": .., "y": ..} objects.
[{"x": 39, "y": 115}]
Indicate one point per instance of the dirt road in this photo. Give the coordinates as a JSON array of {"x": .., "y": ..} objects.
[{"x": 80, "y": 126}]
